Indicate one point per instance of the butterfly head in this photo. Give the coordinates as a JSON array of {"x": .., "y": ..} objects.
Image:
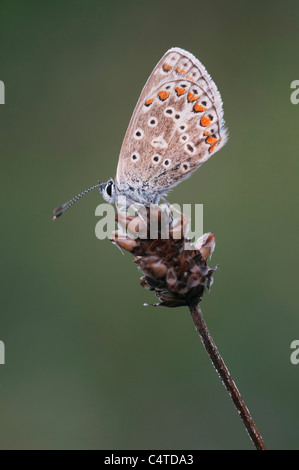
[{"x": 109, "y": 191}]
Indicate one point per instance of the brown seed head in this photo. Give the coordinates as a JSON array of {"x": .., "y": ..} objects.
[{"x": 179, "y": 276}]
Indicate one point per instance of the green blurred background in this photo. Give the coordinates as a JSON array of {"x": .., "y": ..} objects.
[{"x": 87, "y": 366}]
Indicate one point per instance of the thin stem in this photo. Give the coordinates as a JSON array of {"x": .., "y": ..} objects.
[{"x": 224, "y": 374}]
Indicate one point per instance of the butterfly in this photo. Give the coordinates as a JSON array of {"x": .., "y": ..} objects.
[{"x": 176, "y": 126}]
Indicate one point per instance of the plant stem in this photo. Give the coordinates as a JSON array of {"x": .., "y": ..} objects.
[{"x": 224, "y": 374}]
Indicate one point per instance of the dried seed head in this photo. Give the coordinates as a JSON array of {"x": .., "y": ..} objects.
[
  {"x": 206, "y": 245},
  {"x": 123, "y": 242},
  {"x": 178, "y": 276}
]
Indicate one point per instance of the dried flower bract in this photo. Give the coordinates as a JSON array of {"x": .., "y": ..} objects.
[{"x": 179, "y": 276}]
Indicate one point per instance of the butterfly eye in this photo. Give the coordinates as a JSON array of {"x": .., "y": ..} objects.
[{"x": 110, "y": 188}]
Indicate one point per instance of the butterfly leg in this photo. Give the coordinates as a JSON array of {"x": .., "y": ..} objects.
[{"x": 165, "y": 201}]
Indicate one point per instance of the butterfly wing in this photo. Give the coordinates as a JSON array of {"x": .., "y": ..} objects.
[{"x": 176, "y": 126}]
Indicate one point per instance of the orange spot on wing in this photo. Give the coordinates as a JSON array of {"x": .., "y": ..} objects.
[
  {"x": 192, "y": 97},
  {"x": 163, "y": 95},
  {"x": 198, "y": 108},
  {"x": 205, "y": 121},
  {"x": 179, "y": 70},
  {"x": 166, "y": 67},
  {"x": 148, "y": 102},
  {"x": 180, "y": 91},
  {"x": 212, "y": 148},
  {"x": 207, "y": 133},
  {"x": 211, "y": 140},
  {"x": 188, "y": 77}
]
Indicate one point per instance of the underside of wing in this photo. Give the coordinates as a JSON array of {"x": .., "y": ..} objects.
[{"x": 176, "y": 126}]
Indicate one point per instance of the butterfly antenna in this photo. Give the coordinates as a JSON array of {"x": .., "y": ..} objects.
[{"x": 64, "y": 207}]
